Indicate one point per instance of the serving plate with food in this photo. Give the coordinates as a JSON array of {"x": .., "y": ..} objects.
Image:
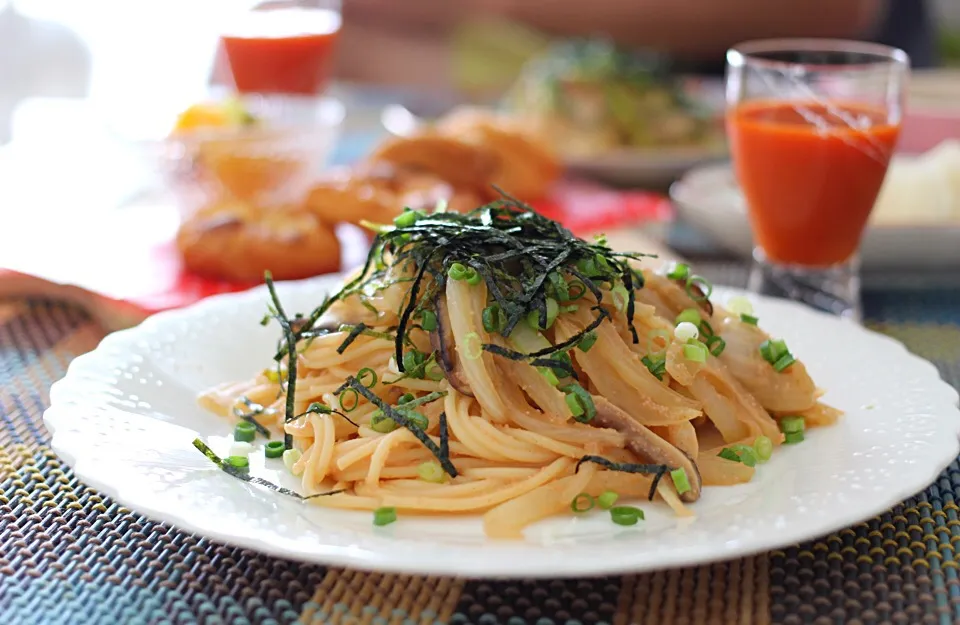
[
  {"x": 490, "y": 395},
  {"x": 619, "y": 117},
  {"x": 915, "y": 224}
]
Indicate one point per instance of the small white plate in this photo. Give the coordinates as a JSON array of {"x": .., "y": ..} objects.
[
  {"x": 125, "y": 415},
  {"x": 650, "y": 167},
  {"x": 709, "y": 198}
]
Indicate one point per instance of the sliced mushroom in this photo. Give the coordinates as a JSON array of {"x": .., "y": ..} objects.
[
  {"x": 443, "y": 344},
  {"x": 647, "y": 445}
]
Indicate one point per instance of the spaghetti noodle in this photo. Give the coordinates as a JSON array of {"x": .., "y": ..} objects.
[{"x": 491, "y": 363}]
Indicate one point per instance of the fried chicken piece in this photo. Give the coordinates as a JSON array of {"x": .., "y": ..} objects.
[{"x": 238, "y": 242}]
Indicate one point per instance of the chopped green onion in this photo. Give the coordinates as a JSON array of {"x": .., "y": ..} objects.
[
  {"x": 405, "y": 398},
  {"x": 459, "y": 271},
  {"x": 747, "y": 455},
  {"x": 472, "y": 346},
  {"x": 728, "y": 454},
  {"x": 431, "y": 471},
  {"x": 695, "y": 352},
  {"x": 559, "y": 286},
  {"x": 274, "y": 449},
  {"x": 384, "y": 516},
  {"x": 704, "y": 286},
  {"x": 573, "y": 403},
  {"x": 428, "y": 320},
  {"x": 244, "y": 431},
  {"x": 434, "y": 372},
  {"x": 784, "y": 362},
  {"x": 601, "y": 263},
  {"x": 686, "y": 331},
  {"x": 575, "y": 290},
  {"x": 793, "y": 438},
  {"x": 680, "y": 481},
  {"x": 791, "y": 425},
  {"x": 406, "y": 219},
  {"x": 548, "y": 373},
  {"x": 691, "y": 315},
  {"x": 290, "y": 458},
  {"x": 356, "y": 400},
  {"x": 680, "y": 271},
  {"x": 419, "y": 420},
  {"x": 740, "y": 305},
  {"x": 473, "y": 278},
  {"x": 582, "y": 503},
  {"x": 715, "y": 344},
  {"x": 553, "y": 309},
  {"x": 749, "y": 319},
  {"x": 626, "y": 515},
  {"x": 656, "y": 364},
  {"x": 367, "y": 372},
  {"x": 773, "y": 350},
  {"x": 413, "y": 360},
  {"x": 607, "y": 498},
  {"x": 381, "y": 423},
  {"x": 620, "y": 297},
  {"x": 587, "y": 267},
  {"x": 586, "y": 401},
  {"x": 494, "y": 319},
  {"x": 240, "y": 448},
  {"x": 587, "y": 341},
  {"x": 763, "y": 447},
  {"x": 238, "y": 462}
]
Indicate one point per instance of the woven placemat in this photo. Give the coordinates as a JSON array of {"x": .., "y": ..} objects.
[{"x": 69, "y": 555}]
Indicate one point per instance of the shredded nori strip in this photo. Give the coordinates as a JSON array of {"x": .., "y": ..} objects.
[
  {"x": 444, "y": 436},
  {"x": 656, "y": 470},
  {"x": 259, "y": 481},
  {"x": 513, "y": 249},
  {"x": 355, "y": 331},
  {"x": 250, "y": 417},
  {"x": 318, "y": 408},
  {"x": 395, "y": 414},
  {"x": 291, "y": 339}
]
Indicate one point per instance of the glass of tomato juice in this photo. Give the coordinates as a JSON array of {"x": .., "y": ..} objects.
[
  {"x": 812, "y": 125},
  {"x": 282, "y": 47}
]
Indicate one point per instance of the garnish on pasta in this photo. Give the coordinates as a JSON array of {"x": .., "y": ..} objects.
[{"x": 493, "y": 363}]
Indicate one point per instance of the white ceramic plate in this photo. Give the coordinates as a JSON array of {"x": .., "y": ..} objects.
[
  {"x": 709, "y": 198},
  {"x": 125, "y": 415},
  {"x": 642, "y": 167}
]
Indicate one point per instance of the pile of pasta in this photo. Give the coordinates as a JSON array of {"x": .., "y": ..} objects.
[
  {"x": 463, "y": 417},
  {"x": 458, "y": 161}
]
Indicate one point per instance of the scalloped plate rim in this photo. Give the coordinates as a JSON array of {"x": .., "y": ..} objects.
[{"x": 67, "y": 395}]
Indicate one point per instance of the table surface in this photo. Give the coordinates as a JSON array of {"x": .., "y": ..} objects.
[{"x": 69, "y": 555}]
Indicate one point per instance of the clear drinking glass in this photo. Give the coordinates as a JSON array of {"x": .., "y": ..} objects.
[{"x": 812, "y": 126}]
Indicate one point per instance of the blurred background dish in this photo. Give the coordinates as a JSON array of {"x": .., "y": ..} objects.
[
  {"x": 916, "y": 222},
  {"x": 619, "y": 117}
]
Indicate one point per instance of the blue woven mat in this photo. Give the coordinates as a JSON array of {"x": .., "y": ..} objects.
[{"x": 68, "y": 555}]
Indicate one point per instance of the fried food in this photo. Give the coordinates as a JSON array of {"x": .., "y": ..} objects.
[
  {"x": 238, "y": 242},
  {"x": 525, "y": 166},
  {"x": 378, "y": 192},
  {"x": 461, "y": 164}
]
